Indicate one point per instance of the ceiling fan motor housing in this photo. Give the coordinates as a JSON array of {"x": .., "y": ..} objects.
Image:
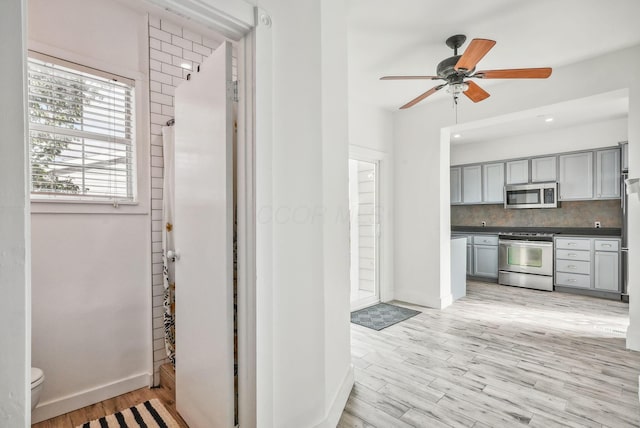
[{"x": 447, "y": 71}]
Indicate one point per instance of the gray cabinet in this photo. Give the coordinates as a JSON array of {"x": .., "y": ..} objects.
[
  {"x": 493, "y": 182},
  {"x": 485, "y": 261},
  {"x": 518, "y": 172},
  {"x": 624, "y": 149},
  {"x": 485, "y": 256},
  {"x": 472, "y": 184},
  {"x": 456, "y": 185},
  {"x": 588, "y": 263},
  {"x": 573, "y": 262},
  {"x": 576, "y": 176},
  {"x": 606, "y": 262},
  {"x": 608, "y": 174},
  {"x": 543, "y": 169},
  {"x": 580, "y": 177},
  {"x": 469, "y": 258}
]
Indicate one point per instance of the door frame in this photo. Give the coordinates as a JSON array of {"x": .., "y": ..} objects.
[
  {"x": 249, "y": 28},
  {"x": 384, "y": 188}
]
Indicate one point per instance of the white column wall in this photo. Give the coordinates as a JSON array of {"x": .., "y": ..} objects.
[
  {"x": 15, "y": 306},
  {"x": 335, "y": 171},
  {"x": 633, "y": 232},
  {"x": 302, "y": 243},
  {"x": 422, "y": 161}
]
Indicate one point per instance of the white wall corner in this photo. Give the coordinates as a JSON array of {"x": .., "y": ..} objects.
[{"x": 340, "y": 401}]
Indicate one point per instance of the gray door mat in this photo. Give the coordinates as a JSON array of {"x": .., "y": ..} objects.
[{"x": 381, "y": 316}]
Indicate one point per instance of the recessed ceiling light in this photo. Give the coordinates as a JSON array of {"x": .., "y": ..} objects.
[
  {"x": 548, "y": 119},
  {"x": 457, "y": 135},
  {"x": 186, "y": 66}
]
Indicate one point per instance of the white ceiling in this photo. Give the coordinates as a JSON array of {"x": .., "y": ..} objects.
[{"x": 408, "y": 37}]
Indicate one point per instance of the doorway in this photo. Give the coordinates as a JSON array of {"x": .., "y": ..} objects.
[{"x": 364, "y": 232}]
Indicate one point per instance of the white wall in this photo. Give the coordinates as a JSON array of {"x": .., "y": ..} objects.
[
  {"x": 371, "y": 128},
  {"x": 583, "y": 137},
  {"x": 91, "y": 263},
  {"x": 633, "y": 333},
  {"x": 304, "y": 373},
  {"x": 422, "y": 157},
  {"x": 15, "y": 372}
]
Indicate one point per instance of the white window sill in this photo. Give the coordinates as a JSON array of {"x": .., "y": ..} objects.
[{"x": 66, "y": 206}]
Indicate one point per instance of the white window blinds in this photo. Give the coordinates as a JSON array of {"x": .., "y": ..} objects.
[{"x": 81, "y": 132}]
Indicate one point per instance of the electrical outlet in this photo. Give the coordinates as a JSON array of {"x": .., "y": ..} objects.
[
  {"x": 484, "y": 223},
  {"x": 597, "y": 224}
]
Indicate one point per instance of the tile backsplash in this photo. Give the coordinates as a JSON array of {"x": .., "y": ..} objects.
[{"x": 569, "y": 214}]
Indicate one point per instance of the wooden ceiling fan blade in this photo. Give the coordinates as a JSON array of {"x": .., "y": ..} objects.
[
  {"x": 409, "y": 78},
  {"x": 419, "y": 98},
  {"x": 477, "y": 49},
  {"x": 475, "y": 93},
  {"x": 515, "y": 73}
]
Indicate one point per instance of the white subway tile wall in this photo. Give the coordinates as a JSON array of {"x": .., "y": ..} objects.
[{"x": 171, "y": 48}]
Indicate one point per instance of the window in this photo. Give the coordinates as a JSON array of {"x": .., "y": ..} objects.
[{"x": 81, "y": 132}]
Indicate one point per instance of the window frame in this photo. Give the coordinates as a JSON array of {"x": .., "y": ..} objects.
[
  {"x": 141, "y": 179},
  {"x": 131, "y": 180}
]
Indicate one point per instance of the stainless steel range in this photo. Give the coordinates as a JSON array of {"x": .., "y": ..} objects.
[{"x": 526, "y": 260}]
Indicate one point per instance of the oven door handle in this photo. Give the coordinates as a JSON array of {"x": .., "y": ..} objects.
[{"x": 512, "y": 243}]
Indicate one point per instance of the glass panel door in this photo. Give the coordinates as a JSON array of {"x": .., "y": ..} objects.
[{"x": 363, "y": 199}]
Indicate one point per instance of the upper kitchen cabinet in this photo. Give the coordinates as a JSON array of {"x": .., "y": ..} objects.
[
  {"x": 493, "y": 182},
  {"x": 608, "y": 174},
  {"x": 543, "y": 169},
  {"x": 518, "y": 171},
  {"x": 576, "y": 176},
  {"x": 472, "y": 184},
  {"x": 456, "y": 185}
]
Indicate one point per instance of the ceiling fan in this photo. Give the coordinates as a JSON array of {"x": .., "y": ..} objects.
[{"x": 454, "y": 70}]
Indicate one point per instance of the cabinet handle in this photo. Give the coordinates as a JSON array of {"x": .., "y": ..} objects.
[
  {"x": 572, "y": 255},
  {"x": 572, "y": 267},
  {"x": 571, "y": 243},
  {"x": 571, "y": 280},
  {"x": 606, "y": 245}
]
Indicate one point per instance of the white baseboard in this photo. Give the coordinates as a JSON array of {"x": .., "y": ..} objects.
[
  {"x": 62, "y": 405},
  {"x": 420, "y": 299},
  {"x": 340, "y": 401}
]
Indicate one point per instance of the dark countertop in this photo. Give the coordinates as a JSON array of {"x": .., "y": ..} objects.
[{"x": 603, "y": 231}]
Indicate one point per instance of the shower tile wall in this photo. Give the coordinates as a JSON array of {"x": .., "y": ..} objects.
[
  {"x": 569, "y": 214},
  {"x": 170, "y": 45}
]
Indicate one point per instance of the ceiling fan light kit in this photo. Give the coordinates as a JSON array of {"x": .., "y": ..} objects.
[{"x": 455, "y": 69}]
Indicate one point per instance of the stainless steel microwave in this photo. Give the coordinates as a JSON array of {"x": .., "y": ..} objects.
[{"x": 537, "y": 195}]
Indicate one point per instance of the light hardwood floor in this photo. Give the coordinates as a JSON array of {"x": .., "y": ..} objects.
[
  {"x": 107, "y": 407},
  {"x": 500, "y": 357}
]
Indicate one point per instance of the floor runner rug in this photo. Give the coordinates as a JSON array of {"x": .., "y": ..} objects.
[
  {"x": 381, "y": 316},
  {"x": 150, "y": 414}
]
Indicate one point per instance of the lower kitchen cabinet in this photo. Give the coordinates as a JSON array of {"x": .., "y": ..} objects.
[
  {"x": 607, "y": 271},
  {"x": 485, "y": 256},
  {"x": 588, "y": 263},
  {"x": 485, "y": 261}
]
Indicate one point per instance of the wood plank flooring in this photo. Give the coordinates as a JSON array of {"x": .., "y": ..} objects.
[
  {"x": 107, "y": 407},
  {"x": 500, "y": 357}
]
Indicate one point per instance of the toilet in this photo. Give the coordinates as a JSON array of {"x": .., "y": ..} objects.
[{"x": 37, "y": 380}]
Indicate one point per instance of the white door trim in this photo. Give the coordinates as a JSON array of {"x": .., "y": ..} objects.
[
  {"x": 232, "y": 19},
  {"x": 250, "y": 27},
  {"x": 385, "y": 240}
]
